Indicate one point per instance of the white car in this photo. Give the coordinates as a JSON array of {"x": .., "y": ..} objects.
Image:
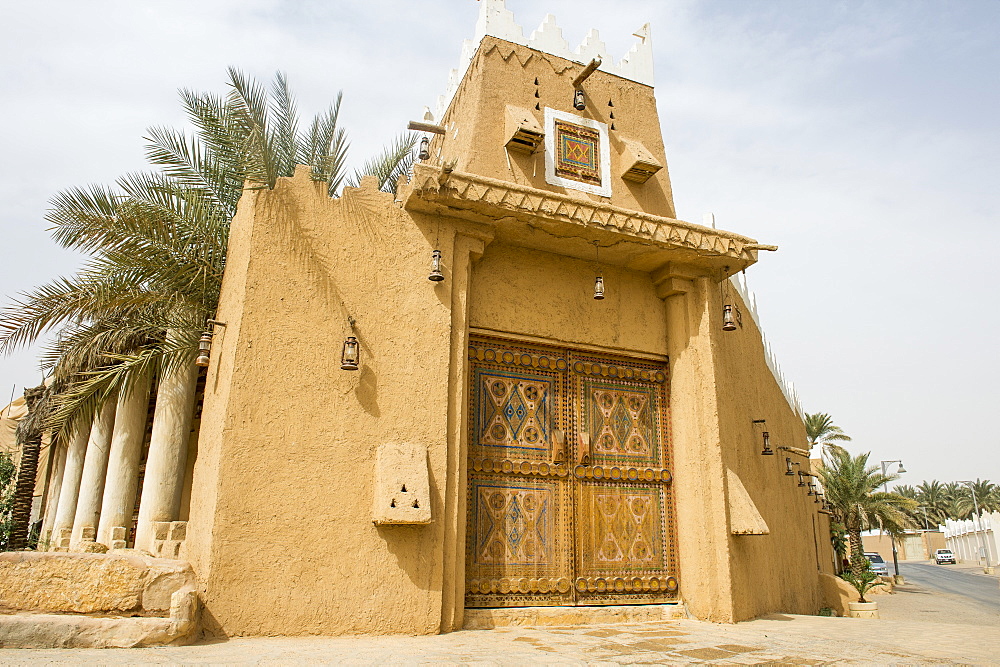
[
  {"x": 878, "y": 566},
  {"x": 944, "y": 556}
]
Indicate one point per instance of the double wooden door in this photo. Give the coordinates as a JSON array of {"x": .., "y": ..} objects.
[{"x": 569, "y": 496}]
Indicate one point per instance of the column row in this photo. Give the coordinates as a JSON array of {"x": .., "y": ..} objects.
[{"x": 96, "y": 475}]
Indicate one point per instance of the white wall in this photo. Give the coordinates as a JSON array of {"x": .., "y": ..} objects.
[{"x": 967, "y": 537}]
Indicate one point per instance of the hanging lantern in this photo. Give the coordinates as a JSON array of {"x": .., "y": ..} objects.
[
  {"x": 728, "y": 323},
  {"x": 204, "y": 349},
  {"x": 579, "y": 103},
  {"x": 767, "y": 445},
  {"x": 425, "y": 152},
  {"x": 599, "y": 287},
  {"x": 436, "y": 275},
  {"x": 812, "y": 489},
  {"x": 801, "y": 483},
  {"x": 349, "y": 357},
  {"x": 788, "y": 466},
  {"x": 819, "y": 497}
]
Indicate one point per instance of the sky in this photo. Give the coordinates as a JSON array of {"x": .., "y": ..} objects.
[{"x": 861, "y": 137}]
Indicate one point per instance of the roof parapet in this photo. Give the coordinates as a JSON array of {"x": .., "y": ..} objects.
[{"x": 497, "y": 21}]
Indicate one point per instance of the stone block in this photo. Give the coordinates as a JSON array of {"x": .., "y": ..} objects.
[
  {"x": 91, "y": 547},
  {"x": 90, "y": 583},
  {"x": 117, "y": 544},
  {"x": 178, "y": 531},
  {"x": 161, "y": 529},
  {"x": 402, "y": 485},
  {"x": 119, "y": 533},
  {"x": 170, "y": 548}
]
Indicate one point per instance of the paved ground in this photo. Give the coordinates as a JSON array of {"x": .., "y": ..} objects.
[
  {"x": 920, "y": 624},
  {"x": 968, "y": 583}
]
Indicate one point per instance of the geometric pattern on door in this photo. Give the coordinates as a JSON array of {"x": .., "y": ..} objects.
[
  {"x": 569, "y": 497},
  {"x": 514, "y": 411}
]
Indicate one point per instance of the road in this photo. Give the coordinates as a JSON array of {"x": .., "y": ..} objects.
[{"x": 977, "y": 587}]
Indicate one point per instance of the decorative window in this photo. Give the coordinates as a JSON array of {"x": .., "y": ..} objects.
[{"x": 577, "y": 154}]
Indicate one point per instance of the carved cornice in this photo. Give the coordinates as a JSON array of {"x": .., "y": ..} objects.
[{"x": 436, "y": 190}]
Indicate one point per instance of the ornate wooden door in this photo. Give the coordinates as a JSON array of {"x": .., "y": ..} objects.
[{"x": 569, "y": 470}]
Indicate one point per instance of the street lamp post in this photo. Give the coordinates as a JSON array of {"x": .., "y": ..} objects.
[
  {"x": 980, "y": 533},
  {"x": 892, "y": 538}
]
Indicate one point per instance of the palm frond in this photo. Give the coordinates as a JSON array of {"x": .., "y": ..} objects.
[{"x": 394, "y": 161}]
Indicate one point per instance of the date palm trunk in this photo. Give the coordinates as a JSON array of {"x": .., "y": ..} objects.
[{"x": 29, "y": 436}]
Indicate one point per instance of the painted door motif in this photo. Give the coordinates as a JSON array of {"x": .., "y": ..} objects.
[{"x": 569, "y": 498}]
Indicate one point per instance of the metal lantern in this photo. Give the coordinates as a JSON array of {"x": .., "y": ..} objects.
[
  {"x": 812, "y": 489},
  {"x": 767, "y": 445},
  {"x": 599, "y": 287},
  {"x": 579, "y": 103},
  {"x": 204, "y": 349},
  {"x": 818, "y": 498},
  {"x": 425, "y": 152},
  {"x": 801, "y": 483},
  {"x": 728, "y": 323},
  {"x": 349, "y": 357},
  {"x": 788, "y": 466},
  {"x": 436, "y": 275}
]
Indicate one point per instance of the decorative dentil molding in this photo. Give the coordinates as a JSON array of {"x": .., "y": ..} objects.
[
  {"x": 432, "y": 186},
  {"x": 496, "y": 20}
]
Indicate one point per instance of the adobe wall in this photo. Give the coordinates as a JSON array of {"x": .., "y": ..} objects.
[
  {"x": 281, "y": 533},
  {"x": 777, "y": 571},
  {"x": 503, "y": 73},
  {"x": 529, "y": 292}
]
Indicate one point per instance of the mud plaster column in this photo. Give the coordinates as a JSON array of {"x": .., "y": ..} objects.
[
  {"x": 95, "y": 466},
  {"x": 699, "y": 473},
  {"x": 55, "y": 483},
  {"x": 69, "y": 490},
  {"x": 167, "y": 459},
  {"x": 470, "y": 242},
  {"x": 123, "y": 465}
]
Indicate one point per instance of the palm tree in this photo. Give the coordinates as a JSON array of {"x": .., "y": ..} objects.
[
  {"x": 852, "y": 488},
  {"x": 820, "y": 430},
  {"x": 986, "y": 497},
  {"x": 933, "y": 501},
  {"x": 157, "y": 241}
]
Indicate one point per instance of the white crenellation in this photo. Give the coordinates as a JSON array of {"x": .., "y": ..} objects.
[
  {"x": 497, "y": 21},
  {"x": 787, "y": 388},
  {"x": 592, "y": 47},
  {"x": 549, "y": 38}
]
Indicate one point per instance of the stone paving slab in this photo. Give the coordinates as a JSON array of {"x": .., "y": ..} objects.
[{"x": 776, "y": 639}]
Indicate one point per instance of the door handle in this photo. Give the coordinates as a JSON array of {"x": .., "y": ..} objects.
[
  {"x": 584, "y": 449},
  {"x": 558, "y": 446}
]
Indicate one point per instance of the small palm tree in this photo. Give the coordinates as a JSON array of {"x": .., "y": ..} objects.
[
  {"x": 820, "y": 430},
  {"x": 852, "y": 488}
]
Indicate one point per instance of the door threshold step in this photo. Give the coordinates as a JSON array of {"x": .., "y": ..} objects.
[{"x": 487, "y": 619}]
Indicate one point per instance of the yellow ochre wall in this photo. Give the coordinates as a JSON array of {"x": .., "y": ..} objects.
[
  {"x": 529, "y": 292},
  {"x": 281, "y": 533},
  {"x": 503, "y": 73},
  {"x": 777, "y": 571}
]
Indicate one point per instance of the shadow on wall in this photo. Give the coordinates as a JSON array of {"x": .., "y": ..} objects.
[
  {"x": 367, "y": 390},
  {"x": 414, "y": 545}
]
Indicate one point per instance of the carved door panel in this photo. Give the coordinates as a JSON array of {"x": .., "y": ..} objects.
[
  {"x": 568, "y": 479},
  {"x": 519, "y": 543},
  {"x": 623, "y": 505}
]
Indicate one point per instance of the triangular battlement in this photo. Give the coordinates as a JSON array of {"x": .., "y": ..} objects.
[{"x": 495, "y": 20}]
